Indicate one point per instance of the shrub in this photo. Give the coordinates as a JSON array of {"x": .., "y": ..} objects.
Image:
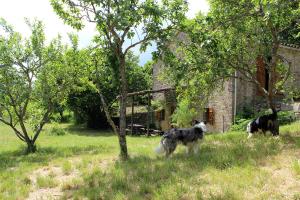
[
  {"x": 284, "y": 117},
  {"x": 55, "y": 130},
  {"x": 184, "y": 114},
  {"x": 240, "y": 125}
]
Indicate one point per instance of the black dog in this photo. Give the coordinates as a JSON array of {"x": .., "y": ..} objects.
[
  {"x": 264, "y": 123},
  {"x": 187, "y": 136}
]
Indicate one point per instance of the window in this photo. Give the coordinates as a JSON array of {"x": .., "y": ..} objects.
[
  {"x": 208, "y": 116},
  {"x": 160, "y": 115},
  {"x": 263, "y": 76}
]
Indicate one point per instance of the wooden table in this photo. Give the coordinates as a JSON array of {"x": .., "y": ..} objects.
[{"x": 137, "y": 129}]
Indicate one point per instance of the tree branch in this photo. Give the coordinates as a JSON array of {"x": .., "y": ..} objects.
[
  {"x": 16, "y": 131},
  {"x": 42, "y": 123},
  {"x": 146, "y": 38}
]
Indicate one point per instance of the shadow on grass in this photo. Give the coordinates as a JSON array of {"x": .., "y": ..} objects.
[
  {"x": 11, "y": 159},
  {"x": 149, "y": 178},
  {"x": 81, "y": 130}
]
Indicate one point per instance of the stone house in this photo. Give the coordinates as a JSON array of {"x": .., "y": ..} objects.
[{"x": 235, "y": 94}]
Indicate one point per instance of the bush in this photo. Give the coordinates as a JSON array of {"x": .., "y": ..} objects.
[
  {"x": 284, "y": 117},
  {"x": 55, "y": 130},
  {"x": 184, "y": 114},
  {"x": 240, "y": 125},
  {"x": 65, "y": 118}
]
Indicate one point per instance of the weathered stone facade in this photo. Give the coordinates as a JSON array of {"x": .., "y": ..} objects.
[
  {"x": 230, "y": 98},
  {"x": 222, "y": 106},
  {"x": 292, "y": 54},
  {"x": 157, "y": 83},
  {"x": 168, "y": 98}
]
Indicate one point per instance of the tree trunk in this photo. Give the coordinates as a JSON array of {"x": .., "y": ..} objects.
[
  {"x": 105, "y": 107},
  {"x": 123, "y": 97},
  {"x": 31, "y": 148},
  {"x": 61, "y": 114},
  {"x": 272, "y": 70}
]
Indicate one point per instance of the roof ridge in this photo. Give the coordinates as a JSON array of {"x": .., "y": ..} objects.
[{"x": 290, "y": 45}]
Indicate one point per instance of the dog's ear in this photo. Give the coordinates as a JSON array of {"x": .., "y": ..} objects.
[
  {"x": 194, "y": 122},
  {"x": 205, "y": 122}
]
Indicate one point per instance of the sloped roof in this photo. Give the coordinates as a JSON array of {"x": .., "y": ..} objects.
[{"x": 290, "y": 45}]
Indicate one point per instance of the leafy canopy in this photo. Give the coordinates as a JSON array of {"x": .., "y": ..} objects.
[{"x": 32, "y": 79}]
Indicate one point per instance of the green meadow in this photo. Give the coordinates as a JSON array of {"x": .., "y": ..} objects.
[{"x": 84, "y": 164}]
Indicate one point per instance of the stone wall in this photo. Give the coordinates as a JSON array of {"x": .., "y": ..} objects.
[
  {"x": 247, "y": 91},
  {"x": 157, "y": 82},
  {"x": 222, "y": 105},
  {"x": 293, "y": 56},
  {"x": 168, "y": 98},
  {"x": 223, "y": 100}
]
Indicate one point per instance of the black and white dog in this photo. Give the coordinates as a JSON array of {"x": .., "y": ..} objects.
[
  {"x": 189, "y": 137},
  {"x": 263, "y": 124}
]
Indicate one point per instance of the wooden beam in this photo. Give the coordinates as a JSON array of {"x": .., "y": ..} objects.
[{"x": 143, "y": 92}]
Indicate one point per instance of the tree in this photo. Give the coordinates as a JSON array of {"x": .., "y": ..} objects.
[
  {"x": 83, "y": 99},
  {"x": 31, "y": 81},
  {"x": 118, "y": 21},
  {"x": 249, "y": 31},
  {"x": 232, "y": 38}
]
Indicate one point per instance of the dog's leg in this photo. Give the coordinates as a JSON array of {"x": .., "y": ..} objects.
[
  {"x": 168, "y": 153},
  {"x": 170, "y": 148},
  {"x": 189, "y": 148},
  {"x": 196, "y": 147},
  {"x": 250, "y": 135}
]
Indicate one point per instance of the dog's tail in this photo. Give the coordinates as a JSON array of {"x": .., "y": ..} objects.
[{"x": 160, "y": 149}]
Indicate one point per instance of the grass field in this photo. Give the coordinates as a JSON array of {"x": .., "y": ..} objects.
[{"x": 83, "y": 164}]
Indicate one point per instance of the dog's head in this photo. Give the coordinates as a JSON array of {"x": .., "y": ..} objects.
[{"x": 202, "y": 126}]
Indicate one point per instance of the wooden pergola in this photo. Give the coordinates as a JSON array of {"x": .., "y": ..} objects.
[{"x": 145, "y": 92}]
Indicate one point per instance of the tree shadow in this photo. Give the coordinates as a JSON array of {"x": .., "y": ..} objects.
[
  {"x": 11, "y": 159},
  {"x": 81, "y": 130}
]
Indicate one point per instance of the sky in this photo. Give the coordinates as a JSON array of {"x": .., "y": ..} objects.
[{"x": 14, "y": 12}]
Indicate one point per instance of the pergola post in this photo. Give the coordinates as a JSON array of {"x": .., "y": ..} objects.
[
  {"x": 132, "y": 112},
  {"x": 148, "y": 114}
]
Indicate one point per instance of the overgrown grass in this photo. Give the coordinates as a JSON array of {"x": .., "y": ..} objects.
[
  {"x": 46, "y": 182},
  {"x": 296, "y": 167},
  {"x": 228, "y": 166}
]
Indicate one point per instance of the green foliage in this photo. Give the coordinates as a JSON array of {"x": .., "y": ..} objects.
[
  {"x": 33, "y": 80},
  {"x": 46, "y": 182},
  {"x": 230, "y": 38},
  {"x": 157, "y": 104},
  {"x": 184, "y": 114},
  {"x": 67, "y": 167},
  {"x": 247, "y": 115},
  {"x": 56, "y": 130},
  {"x": 240, "y": 125},
  {"x": 248, "y": 29},
  {"x": 116, "y": 22},
  {"x": 63, "y": 116},
  {"x": 97, "y": 69},
  {"x": 296, "y": 167}
]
